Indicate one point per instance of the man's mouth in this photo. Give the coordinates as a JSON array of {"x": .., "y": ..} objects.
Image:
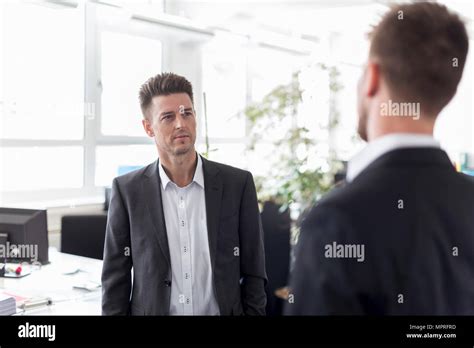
[{"x": 182, "y": 136}]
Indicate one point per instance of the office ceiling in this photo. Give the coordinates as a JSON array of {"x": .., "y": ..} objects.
[{"x": 293, "y": 17}]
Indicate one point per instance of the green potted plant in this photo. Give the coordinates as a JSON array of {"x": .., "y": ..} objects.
[{"x": 291, "y": 182}]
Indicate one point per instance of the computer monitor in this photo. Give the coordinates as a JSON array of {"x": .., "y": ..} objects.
[{"x": 26, "y": 235}]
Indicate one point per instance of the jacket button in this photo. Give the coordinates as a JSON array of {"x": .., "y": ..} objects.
[{"x": 167, "y": 282}]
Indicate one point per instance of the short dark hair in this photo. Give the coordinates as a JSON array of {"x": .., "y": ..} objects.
[
  {"x": 163, "y": 84},
  {"x": 416, "y": 46}
]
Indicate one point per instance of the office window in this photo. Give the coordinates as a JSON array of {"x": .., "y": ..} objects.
[
  {"x": 2, "y": 79},
  {"x": 41, "y": 99},
  {"x": 42, "y": 90},
  {"x": 110, "y": 158},
  {"x": 258, "y": 160},
  {"x": 36, "y": 168},
  {"x": 265, "y": 77},
  {"x": 127, "y": 61},
  {"x": 225, "y": 84},
  {"x": 50, "y": 62},
  {"x": 346, "y": 139},
  {"x": 229, "y": 153}
]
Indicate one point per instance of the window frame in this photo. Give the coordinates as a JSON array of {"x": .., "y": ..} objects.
[
  {"x": 97, "y": 17},
  {"x": 175, "y": 38}
]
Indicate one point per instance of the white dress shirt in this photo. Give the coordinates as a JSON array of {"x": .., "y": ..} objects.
[
  {"x": 384, "y": 144},
  {"x": 192, "y": 291}
]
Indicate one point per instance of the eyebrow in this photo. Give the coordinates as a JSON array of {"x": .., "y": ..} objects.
[
  {"x": 167, "y": 113},
  {"x": 172, "y": 112}
]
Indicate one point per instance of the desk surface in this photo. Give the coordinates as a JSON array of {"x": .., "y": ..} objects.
[{"x": 52, "y": 281}]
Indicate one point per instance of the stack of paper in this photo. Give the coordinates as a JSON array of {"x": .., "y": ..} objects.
[{"x": 7, "y": 305}]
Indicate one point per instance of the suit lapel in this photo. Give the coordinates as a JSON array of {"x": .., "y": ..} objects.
[
  {"x": 152, "y": 193},
  {"x": 213, "y": 192}
]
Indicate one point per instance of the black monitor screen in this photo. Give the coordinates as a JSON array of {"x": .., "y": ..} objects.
[{"x": 24, "y": 235}]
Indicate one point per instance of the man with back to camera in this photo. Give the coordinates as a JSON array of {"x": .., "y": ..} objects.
[
  {"x": 398, "y": 239},
  {"x": 190, "y": 228}
]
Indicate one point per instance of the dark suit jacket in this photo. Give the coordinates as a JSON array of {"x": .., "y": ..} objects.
[
  {"x": 136, "y": 220},
  {"x": 408, "y": 252}
]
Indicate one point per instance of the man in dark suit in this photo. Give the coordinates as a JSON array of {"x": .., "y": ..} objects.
[
  {"x": 398, "y": 238},
  {"x": 189, "y": 228}
]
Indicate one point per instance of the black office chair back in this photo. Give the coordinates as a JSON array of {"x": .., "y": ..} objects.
[{"x": 83, "y": 235}]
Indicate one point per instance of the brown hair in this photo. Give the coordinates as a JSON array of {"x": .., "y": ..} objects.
[
  {"x": 421, "y": 49},
  {"x": 163, "y": 84}
]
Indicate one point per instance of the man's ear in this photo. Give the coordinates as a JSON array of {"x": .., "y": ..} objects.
[
  {"x": 147, "y": 127},
  {"x": 372, "y": 79}
]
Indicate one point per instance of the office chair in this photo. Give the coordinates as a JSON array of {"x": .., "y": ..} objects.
[{"x": 83, "y": 235}]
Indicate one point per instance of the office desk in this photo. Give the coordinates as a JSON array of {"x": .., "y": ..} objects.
[{"x": 51, "y": 281}]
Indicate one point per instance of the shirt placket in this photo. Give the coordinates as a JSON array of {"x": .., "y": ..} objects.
[{"x": 185, "y": 244}]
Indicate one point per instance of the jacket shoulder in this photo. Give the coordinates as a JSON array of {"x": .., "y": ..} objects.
[
  {"x": 134, "y": 176},
  {"x": 228, "y": 170}
]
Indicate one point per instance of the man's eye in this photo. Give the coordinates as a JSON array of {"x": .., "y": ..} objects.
[{"x": 188, "y": 113}]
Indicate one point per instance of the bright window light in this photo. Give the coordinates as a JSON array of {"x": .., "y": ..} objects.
[
  {"x": 42, "y": 72},
  {"x": 36, "y": 168},
  {"x": 127, "y": 61}
]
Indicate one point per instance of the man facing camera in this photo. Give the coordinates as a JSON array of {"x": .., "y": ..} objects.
[
  {"x": 189, "y": 228},
  {"x": 398, "y": 238}
]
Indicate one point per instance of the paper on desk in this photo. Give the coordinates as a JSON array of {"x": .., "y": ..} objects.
[{"x": 20, "y": 299}]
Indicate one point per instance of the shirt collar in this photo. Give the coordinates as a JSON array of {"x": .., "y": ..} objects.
[
  {"x": 198, "y": 174},
  {"x": 384, "y": 144}
]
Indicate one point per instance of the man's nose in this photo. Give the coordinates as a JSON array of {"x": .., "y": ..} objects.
[{"x": 179, "y": 121}]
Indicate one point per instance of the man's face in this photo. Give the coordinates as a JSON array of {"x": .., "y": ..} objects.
[
  {"x": 362, "y": 106},
  {"x": 173, "y": 123}
]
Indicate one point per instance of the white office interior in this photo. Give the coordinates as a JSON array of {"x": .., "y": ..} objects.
[{"x": 70, "y": 120}]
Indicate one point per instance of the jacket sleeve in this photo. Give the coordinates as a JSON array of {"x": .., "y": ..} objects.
[
  {"x": 252, "y": 260},
  {"x": 116, "y": 271}
]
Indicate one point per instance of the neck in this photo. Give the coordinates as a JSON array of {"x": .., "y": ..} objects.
[
  {"x": 380, "y": 124},
  {"x": 180, "y": 169}
]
